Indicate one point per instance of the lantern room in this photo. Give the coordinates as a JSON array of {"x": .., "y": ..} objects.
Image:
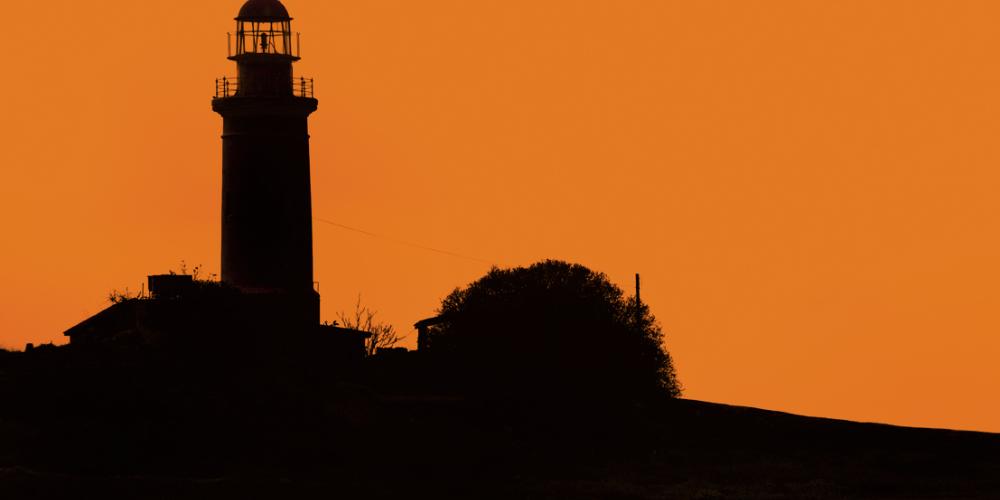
[
  {"x": 263, "y": 27},
  {"x": 263, "y": 50}
]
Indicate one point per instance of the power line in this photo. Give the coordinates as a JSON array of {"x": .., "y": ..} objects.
[{"x": 401, "y": 242}]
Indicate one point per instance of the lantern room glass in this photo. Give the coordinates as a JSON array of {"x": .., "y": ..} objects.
[{"x": 264, "y": 37}]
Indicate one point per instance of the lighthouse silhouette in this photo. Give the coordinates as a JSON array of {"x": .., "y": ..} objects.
[
  {"x": 267, "y": 298},
  {"x": 266, "y": 196}
]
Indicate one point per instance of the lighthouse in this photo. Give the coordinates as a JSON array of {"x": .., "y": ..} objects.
[
  {"x": 267, "y": 305},
  {"x": 266, "y": 193}
]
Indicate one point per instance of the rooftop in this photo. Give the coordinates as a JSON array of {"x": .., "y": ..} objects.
[{"x": 264, "y": 11}]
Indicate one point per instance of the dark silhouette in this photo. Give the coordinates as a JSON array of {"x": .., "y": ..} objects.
[
  {"x": 382, "y": 336},
  {"x": 538, "y": 382},
  {"x": 266, "y": 199},
  {"x": 552, "y": 329},
  {"x": 126, "y": 423},
  {"x": 267, "y": 294},
  {"x": 184, "y": 316}
]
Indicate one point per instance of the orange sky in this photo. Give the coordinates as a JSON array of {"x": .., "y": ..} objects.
[{"x": 808, "y": 188}]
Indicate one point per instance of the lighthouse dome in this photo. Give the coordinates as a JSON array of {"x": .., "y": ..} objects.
[{"x": 263, "y": 11}]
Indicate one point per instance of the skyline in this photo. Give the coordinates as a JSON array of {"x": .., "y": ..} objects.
[{"x": 806, "y": 190}]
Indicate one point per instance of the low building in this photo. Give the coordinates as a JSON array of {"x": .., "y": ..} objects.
[{"x": 180, "y": 312}]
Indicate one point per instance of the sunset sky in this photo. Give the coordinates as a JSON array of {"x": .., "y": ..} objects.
[{"x": 808, "y": 188}]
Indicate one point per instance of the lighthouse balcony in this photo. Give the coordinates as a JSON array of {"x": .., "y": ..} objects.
[{"x": 230, "y": 87}]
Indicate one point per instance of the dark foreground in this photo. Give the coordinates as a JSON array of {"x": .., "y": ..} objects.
[{"x": 170, "y": 429}]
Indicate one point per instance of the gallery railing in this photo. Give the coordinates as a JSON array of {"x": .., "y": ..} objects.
[{"x": 230, "y": 87}]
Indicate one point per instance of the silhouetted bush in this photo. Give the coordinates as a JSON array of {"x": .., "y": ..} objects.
[{"x": 551, "y": 330}]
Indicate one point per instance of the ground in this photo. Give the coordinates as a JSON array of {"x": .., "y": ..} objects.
[{"x": 169, "y": 429}]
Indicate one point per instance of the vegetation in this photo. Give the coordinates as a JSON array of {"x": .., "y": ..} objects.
[
  {"x": 220, "y": 414},
  {"x": 553, "y": 329},
  {"x": 117, "y": 297},
  {"x": 197, "y": 273},
  {"x": 383, "y": 335}
]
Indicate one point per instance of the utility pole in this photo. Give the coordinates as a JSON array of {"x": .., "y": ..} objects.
[{"x": 638, "y": 302}]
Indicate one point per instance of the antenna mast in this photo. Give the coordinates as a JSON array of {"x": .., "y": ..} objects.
[{"x": 638, "y": 301}]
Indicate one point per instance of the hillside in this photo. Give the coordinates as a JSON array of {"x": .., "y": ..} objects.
[{"x": 127, "y": 434}]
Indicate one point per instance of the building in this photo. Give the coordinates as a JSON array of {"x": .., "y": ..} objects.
[
  {"x": 267, "y": 286},
  {"x": 426, "y": 330},
  {"x": 266, "y": 194}
]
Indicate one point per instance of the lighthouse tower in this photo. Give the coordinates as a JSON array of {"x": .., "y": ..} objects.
[
  {"x": 266, "y": 196},
  {"x": 267, "y": 259}
]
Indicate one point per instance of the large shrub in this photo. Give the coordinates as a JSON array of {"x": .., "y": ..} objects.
[{"x": 553, "y": 329}]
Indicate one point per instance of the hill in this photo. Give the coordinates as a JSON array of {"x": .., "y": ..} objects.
[{"x": 138, "y": 436}]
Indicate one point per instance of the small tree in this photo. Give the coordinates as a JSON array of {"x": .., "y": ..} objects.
[
  {"x": 383, "y": 335},
  {"x": 553, "y": 329}
]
